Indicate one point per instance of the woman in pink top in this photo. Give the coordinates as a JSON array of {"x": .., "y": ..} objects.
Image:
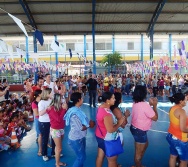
[
  {"x": 34, "y": 105},
  {"x": 142, "y": 116},
  {"x": 107, "y": 128},
  {"x": 56, "y": 112}
]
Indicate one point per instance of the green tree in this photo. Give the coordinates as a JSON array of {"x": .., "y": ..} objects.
[{"x": 112, "y": 59}]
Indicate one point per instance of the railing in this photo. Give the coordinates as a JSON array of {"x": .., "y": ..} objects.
[{"x": 14, "y": 79}]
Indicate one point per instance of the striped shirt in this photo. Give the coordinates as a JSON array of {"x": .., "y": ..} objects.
[{"x": 76, "y": 129}]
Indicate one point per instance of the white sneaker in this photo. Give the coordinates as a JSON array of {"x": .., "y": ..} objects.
[{"x": 45, "y": 158}]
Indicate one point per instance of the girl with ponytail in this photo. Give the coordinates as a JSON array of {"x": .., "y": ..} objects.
[{"x": 177, "y": 136}]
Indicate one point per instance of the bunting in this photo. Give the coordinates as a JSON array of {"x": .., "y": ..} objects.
[{"x": 19, "y": 23}]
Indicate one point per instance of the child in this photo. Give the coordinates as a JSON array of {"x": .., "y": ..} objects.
[{"x": 4, "y": 140}]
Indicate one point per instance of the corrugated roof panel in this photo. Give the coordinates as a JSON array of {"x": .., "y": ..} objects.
[
  {"x": 121, "y": 27},
  {"x": 62, "y": 18},
  {"x": 171, "y": 27},
  {"x": 172, "y": 18},
  {"x": 175, "y": 7},
  {"x": 68, "y": 7},
  {"x": 62, "y": 28},
  {"x": 125, "y": 7},
  {"x": 121, "y": 17}
]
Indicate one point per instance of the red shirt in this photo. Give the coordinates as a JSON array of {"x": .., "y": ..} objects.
[
  {"x": 34, "y": 88},
  {"x": 56, "y": 118},
  {"x": 34, "y": 105}
]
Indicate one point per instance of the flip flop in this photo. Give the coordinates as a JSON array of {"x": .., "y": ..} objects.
[{"x": 61, "y": 164}]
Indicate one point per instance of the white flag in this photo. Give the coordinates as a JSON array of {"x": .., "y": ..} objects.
[
  {"x": 19, "y": 23},
  {"x": 54, "y": 46}
]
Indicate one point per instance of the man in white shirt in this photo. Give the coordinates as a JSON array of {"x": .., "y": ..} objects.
[{"x": 49, "y": 84}]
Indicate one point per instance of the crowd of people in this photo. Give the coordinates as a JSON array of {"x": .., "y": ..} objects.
[{"x": 55, "y": 105}]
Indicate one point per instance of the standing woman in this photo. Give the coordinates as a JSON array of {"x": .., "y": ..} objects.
[
  {"x": 56, "y": 112},
  {"x": 34, "y": 105},
  {"x": 79, "y": 123},
  {"x": 142, "y": 117},
  {"x": 118, "y": 113},
  {"x": 44, "y": 120},
  {"x": 177, "y": 136},
  {"x": 107, "y": 128}
]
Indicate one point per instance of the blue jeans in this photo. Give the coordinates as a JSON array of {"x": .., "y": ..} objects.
[
  {"x": 36, "y": 121},
  {"x": 127, "y": 89},
  {"x": 45, "y": 131},
  {"x": 79, "y": 147}
]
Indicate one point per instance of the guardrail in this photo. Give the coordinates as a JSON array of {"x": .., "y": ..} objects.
[{"x": 14, "y": 79}]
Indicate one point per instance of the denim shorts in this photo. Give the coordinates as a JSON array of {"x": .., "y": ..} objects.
[
  {"x": 56, "y": 133},
  {"x": 101, "y": 144},
  {"x": 140, "y": 136},
  {"x": 178, "y": 147}
]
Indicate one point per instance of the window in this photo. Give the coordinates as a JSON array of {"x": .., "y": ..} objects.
[
  {"x": 157, "y": 45},
  {"x": 42, "y": 48},
  {"x": 100, "y": 46},
  {"x": 70, "y": 46},
  {"x": 108, "y": 46},
  {"x": 130, "y": 45}
]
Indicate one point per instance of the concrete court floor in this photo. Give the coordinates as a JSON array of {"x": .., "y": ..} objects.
[{"x": 156, "y": 155}]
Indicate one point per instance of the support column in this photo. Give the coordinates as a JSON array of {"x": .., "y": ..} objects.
[
  {"x": 27, "y": 54},
  {"x": 151, "y": 44},
  {"x": 113, "y": 44},
  {"x": 93, "y": 35},
  {"x": 56, "y": 59},
  {"x": 35, "y": 63},
  {"x": 142, "y": 47},
  {"x": 85, "y": 47},
  {"x": 27, "y": 50},
  {"x": 170, "y": 46}
]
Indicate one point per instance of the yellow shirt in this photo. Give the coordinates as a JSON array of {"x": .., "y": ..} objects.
[{"x": 106, "y": 81}]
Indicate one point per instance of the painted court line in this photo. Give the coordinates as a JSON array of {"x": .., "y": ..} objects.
[
  {"x": 159, "y": 131},
  {"x": 163, "y": 111},
  {"x": 164, "y": 121}
]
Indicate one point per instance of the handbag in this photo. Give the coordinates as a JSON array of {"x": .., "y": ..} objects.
[{"x": 112, "y": 147}]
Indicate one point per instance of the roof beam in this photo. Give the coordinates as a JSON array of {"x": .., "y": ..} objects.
[
  {"x": 28, "y": 13},
  {"x": 98, "y": 32},
  {"x": 89, "y": 1},
  {"x": 156, "y": 15},
  {"x": 97, "y": 13},
  {"x": 109, "y": 1},
  {"x": 98, "y": 23}
]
